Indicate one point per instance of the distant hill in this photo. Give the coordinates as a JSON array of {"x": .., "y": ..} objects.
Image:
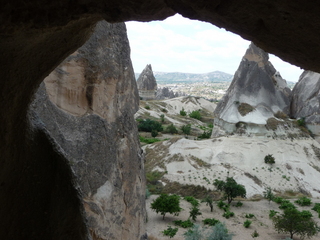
[{"x": 177, "y": 77}]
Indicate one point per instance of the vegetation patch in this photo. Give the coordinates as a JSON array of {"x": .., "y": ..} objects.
[
  {"x": 210, "y": 221},
  {"x": 198, "y": 191},
  {"x": 272, "y": 124},
  {"x": 200, "y": 162},
  {"x": 316, "y": 151},
  {"x": 281, "y": 115},
  {"x": 245, "y": 108},
  {"x": 184, "y": 224},
  {"x": 148, "y": 140}
]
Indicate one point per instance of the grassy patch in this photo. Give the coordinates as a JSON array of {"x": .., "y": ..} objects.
[
  {"x": 148, "y": 140},
  {"x": 254, "y": 178},
  {"x": 272, "y": 124},
  {"x": 198, "y": 192},
  {"x": 245, "y": 108}
]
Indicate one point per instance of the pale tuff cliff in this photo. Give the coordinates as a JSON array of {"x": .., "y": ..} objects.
[
  {"x": 147, "y": 84},
  {"x": 256, "y": 93},
  {"x": 85, "y": 107},
  {"x": 306, "y": 100}
]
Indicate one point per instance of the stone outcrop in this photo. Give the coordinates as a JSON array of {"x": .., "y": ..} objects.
[
  {"x": 306, "y": 100},
  {"x": 147, "y": 84},
  {"x": 85, "y": 107},
  {"x": 257, "y": 92},
  {"x": 166, "y": 93},
  {"x": 37, "y": 197}
]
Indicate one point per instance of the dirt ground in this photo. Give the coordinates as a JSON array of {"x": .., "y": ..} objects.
[{"x": 260, "y": 222}]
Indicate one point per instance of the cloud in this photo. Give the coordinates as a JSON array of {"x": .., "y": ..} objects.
[{"x": 178, "y": 44}]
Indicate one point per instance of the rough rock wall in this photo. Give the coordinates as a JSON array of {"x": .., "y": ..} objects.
[
  {"x": 306, "y": 100},
  {"x": 147, "y": 84},
  {"x": 258, "y": 84},
  {"x": 86, "y": 106}
]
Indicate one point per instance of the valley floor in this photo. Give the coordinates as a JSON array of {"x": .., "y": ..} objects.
[{"x": 261, "y": 222}]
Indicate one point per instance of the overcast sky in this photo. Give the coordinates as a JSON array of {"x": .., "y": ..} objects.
[{"x": 178, "y": 44}]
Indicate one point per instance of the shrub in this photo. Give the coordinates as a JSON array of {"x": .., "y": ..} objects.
[
  {"x": 247, "y": 223},
  {"x": 316, "y": 207},
  {"x": 255, "y": 234},
  {"x": 195, "y": 114},
  {"x": 268, "y": 194},
  {"x": 205, "y": 134},
  {"x": 194, "y": 202},
  {"x": 219, "y": 232},
  {"x": 166, "y": 204},
  {"x": 301, "y": 122},
  {"x": 147, "y": 107},
  {"x": 183, "y": 112},
  {"x": 221, "y": 204},
  {"x": 210, "y": 221},
  {"x": 194, "y": 212},
  {"x": 194, "y": 233},
  {"x": 164, "y": 110},
  {"x": 250, "y": 215},
  {"x": 148, "y": 193},
  {"x": 162, "y": 118},
  {"x": 286, "y": 204},
  {"x": 154, "y": 133},
  {"x": 272, "y": 213},
  {"x": 278, "y": 200},
  {"x": 186, "y": 129},
  {"x": 171, "y": 232},
  {"x": 148, "y": 125},
  {"x": 303, "y": 201},
  {"x": 228, "y": 214},
  {"x": 171, "y": 129},
  {"x": 239, "y": 204},
  {"x": 230, "y": 188},
  {"x": 269, "y": 159},
  {"x": 184, "y": 224}
]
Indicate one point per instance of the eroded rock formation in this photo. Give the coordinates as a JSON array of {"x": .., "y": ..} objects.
[
  {"x": 37, "y": 197},
  {"x": 147, "y": 84},
  {"x": 257, "y": 92},
  {"x": 86, "y": 107},
  {"x": 306, "y": 100}
]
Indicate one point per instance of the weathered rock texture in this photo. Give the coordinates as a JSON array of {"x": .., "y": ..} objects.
[
  {"x": 37, "y": 197},
  {"x": 256, "y": 93},
  {"x": 85, "y": 108},
  {"x": 306, "y": 100},
  {"x": 147, "y": 84},
  {"x": 258, "y": 84}
]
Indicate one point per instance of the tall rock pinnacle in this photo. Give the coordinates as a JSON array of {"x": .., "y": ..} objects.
[
  {"x": 147, "y": 84},
  {"x": 256, "y": 93}
]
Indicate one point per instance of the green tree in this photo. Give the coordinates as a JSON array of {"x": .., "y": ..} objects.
[
  {"x": 183, "y": 112},
  {"x": 209, "y": 202},
  {"x": 166, "y": 204},
  {"x": 195, "y": 114},
  {"x": 230, "y": 188},
  {"x": 194, "y": 212},
  {"x": 268, "y": 194},
  {"x": 186, "y": 129},
  {"x": 293, "y": 221}
]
